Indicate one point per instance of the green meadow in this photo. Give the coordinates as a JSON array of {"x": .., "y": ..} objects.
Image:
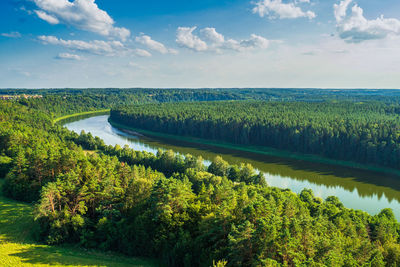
[{"x": 18, "y": 248}]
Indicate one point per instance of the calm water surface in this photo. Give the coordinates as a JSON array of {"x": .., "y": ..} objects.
[{"x": 356, "y": 189}]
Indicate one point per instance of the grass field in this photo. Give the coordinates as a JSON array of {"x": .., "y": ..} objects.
[
  {"x": 17, "y": 247},
  {"x": 80, "y": 114}
]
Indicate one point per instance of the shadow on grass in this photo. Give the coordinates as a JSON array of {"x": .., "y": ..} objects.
[
  {"x": 72, "y": 257},
  {"x": 16, "y": 221},
  {"x": 18, "y": 246}
]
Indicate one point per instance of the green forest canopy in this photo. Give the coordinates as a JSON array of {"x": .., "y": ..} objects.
[
  {"x": 359, "y": 132},
  {"x": 173, "y": 207}
]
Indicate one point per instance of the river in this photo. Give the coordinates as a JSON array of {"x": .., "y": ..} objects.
[{"x": 357, "y": 189}]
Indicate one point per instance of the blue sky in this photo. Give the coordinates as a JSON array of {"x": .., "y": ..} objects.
[{"x": 208, "y": 43}]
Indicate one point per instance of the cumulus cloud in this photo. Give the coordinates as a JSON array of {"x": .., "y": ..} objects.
[
  {"x": 340, "y": 10},
  {"x": 353, "y": 27},
  {"x": 214, "y": 41},
  {"x": 186, "y": 38},
  {"x": 212, "y": 35},
  {"x": 11, "y": 35},
  {"x": 277, "y": 9},
  {"x": 68, "y": 56},
  {"x": 82, "y": 14},
  {"x": 255, "y": 41},
  {"x": 154, "y": 45},
  {"x": 94, "y": 47}
]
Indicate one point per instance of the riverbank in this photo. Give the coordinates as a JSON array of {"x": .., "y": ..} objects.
[
  {"x": 358, "y": 189},
  {"x": 94, "y": 112},
  {"x": 260, "y": 150}
]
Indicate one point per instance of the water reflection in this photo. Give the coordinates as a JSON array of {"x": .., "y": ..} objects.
[{"x": 359, "y": 189}]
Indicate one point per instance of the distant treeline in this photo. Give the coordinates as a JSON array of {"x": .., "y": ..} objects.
[
  {"x": 64, "y": 101},
  {"x": 286, "y": 94},
  {"x": 73, "y": 101},
  {"x": 360, "y": 132}
]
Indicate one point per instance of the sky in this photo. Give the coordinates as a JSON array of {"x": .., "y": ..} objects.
[{"x": 200, "y": 44}]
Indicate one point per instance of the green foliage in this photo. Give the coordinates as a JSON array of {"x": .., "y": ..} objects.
[
  {"x": 18, "y": 247},
  {"x": 219, "y": 167},
  {"x": 5, "y": 165},
  {"x": 221, "y": 263},
  {"x": 168, "y": 206},
  {"x": 364, "y": 133}
]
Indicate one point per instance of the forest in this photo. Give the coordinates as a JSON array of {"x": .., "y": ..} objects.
[
  {"x": 177, "y": 209},
  {"x": 64, "y": 101},
  {"x": 364, "y": 132}
]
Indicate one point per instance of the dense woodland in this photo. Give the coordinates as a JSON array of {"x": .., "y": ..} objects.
[
  {"x": 173, "y": 207},
  {"x": 63, "y": 101},
  {"x": 362, "y": 132}
]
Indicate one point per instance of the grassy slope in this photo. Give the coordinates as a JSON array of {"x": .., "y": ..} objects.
[
  {"x": 260, "y": 150},
  {"x": 80, "y": 114},
  {"x": 17, "y": 247}
]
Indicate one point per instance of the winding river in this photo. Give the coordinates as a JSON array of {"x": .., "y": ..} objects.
[{"x": 357, "y": 189}]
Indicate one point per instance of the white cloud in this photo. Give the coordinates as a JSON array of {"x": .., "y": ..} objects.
[
  {"x": 82, "y": 14},
  {"x": 216, "y": 41},
  {"x": 355, "y": 28},
  {"x": 95, "y": 47},
  {"x": 142, "y": 53},
  {"x": 341, "y": 9},
  {"x": 154, "y": 45},
  {"x": 11, "y": 35},
  {"x": 277, "y": 9},
  {"x": 68, "y": 56},
  {"x": 255, "y": 41},
  {"x": 185, "y": 38},
  {"x": 212, "y": 35},
  {"x": 46, "y": 17}
]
